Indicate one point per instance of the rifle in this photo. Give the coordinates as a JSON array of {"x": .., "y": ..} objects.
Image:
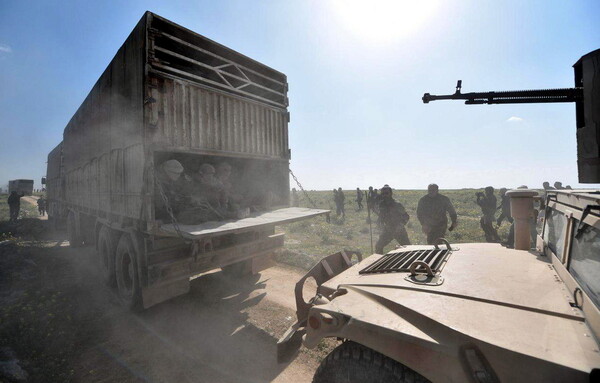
[{"x": 511, "y": 96}]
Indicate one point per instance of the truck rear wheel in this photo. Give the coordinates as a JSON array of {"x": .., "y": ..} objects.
[
  {"x": 126, "y": 273},
  {"x": 351, "y": 362},
  {"x": 73, "y": 232},
  {"x": 106, "y": 255}
]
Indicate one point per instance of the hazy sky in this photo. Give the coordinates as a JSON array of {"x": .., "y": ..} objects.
[{"x": 357, "y": 71}]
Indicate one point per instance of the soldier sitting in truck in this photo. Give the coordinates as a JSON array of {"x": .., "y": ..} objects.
[
  {"x": 170, "y": 186},
  {"x": 204, "y": 198}
]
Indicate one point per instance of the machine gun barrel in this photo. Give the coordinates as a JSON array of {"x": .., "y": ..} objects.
[{"x": 511, "y": 97}]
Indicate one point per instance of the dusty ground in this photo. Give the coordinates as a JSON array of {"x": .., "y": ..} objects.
[{"x": 64, "y": 325}]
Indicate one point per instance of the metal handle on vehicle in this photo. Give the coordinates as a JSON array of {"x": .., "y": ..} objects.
[
  {"x": 445, "y": 242},
  {"x": 413, "y": 268}
]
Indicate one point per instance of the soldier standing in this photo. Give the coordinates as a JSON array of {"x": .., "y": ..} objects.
[
  {"x": 41, "y": 203},
  {"x": 432, "y": 211},
  {"x": 359, "y": 198},
  {"x": 14, "y": 205},
  {"x": 504, "y": 208},
  {"x": 370, "y": 198},
  {"x": 487, "y": 202},
  {"x": 336, "y": 200},
  {"x": 341, "y": 199},
  {"x": 392, "y": 218}
]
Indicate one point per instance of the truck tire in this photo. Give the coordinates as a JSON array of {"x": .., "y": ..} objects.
[
  {"x": 107, "y": 248},
  {"x": 352, "y": 362},
  {"x": 73, "y": 232},
  {"x": 239, "y": 269},
  {"x": 126, "y": 273}
]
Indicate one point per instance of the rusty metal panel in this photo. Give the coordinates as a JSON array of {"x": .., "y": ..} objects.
[{"x": 189, "y": 117}]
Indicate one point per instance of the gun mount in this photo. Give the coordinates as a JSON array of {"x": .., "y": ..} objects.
[
  {"x": 510, "y": 97},
  {"x": 585, "y": 95}
]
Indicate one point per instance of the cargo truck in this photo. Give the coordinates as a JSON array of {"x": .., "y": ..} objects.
[
  {"x": 21, "y": 186},
  {"x": 172, "y": 94}
]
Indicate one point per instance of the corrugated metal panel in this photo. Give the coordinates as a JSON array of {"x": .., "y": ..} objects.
[
  {"x": 103, "y": 142},
  {"x": 190, "y": 117}
]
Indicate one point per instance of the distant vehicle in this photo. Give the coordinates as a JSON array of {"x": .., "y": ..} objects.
[
  {"x": 21, "y": 186},
  {"x": 170, "y": 93},
  {"x": 477, "y": 312}
]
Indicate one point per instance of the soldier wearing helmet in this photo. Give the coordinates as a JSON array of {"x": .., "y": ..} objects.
[
  {"x": 432, "y": 211},
  {"x": 392, "y": 218},
  {"x": 169, "y": 186}
]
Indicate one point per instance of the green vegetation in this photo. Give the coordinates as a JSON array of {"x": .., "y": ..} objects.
[
  {"x": 310, "y": 240},
  {"x": 27, "y": 210}
]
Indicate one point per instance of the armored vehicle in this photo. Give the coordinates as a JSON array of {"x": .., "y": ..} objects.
[
  {"x": 173, "y": 101},
  {"x": 474, "y": 312}
]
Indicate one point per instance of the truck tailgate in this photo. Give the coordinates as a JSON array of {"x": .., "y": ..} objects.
[{"x": 269, "y": 218}]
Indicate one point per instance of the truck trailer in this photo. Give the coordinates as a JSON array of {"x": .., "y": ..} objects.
[
  {"x": 172, "y": 94},
  {"x": 20, "y": 186}
]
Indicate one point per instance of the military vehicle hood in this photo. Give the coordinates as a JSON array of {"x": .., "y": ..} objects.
[{"x": 507, "y": 299}]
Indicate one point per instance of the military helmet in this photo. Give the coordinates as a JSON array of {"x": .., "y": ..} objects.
[{"x": 172, "y": 166}]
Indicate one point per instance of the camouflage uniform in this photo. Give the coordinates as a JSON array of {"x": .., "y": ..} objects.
[
  {"x": 504, "y": 210},
  {"x": 392, "y": 218},
  {"x": 14, "y": 204},
  {"x": 176, "y": 192},
  {"x": 359, "y": 198},
  {"x": 488, "y": 203},
  {"x": 41, "y": 203},
  {"x": 431, "y": 212}
]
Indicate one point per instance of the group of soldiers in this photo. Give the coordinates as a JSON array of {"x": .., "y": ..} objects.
[
  {"x": 432, "y": 212},
  {"x": 207, "y": 194},
  {"x": 487, "y": 201}
]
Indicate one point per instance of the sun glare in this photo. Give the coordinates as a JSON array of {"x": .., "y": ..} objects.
[{"x": 384, "y": 21}]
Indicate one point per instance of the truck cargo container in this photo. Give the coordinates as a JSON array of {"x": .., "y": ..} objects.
[
  {"x": 21, "y": 186},
  {"x": 172, "y": 94}
]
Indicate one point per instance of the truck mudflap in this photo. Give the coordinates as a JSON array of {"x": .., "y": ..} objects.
[{"x": 327, "y": 268}]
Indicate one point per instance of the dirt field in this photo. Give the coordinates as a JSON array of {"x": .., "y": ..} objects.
[{"x": 64, "y": 325}]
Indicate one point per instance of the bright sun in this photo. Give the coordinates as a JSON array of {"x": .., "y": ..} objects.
[{"x": 383, "y": 21}]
